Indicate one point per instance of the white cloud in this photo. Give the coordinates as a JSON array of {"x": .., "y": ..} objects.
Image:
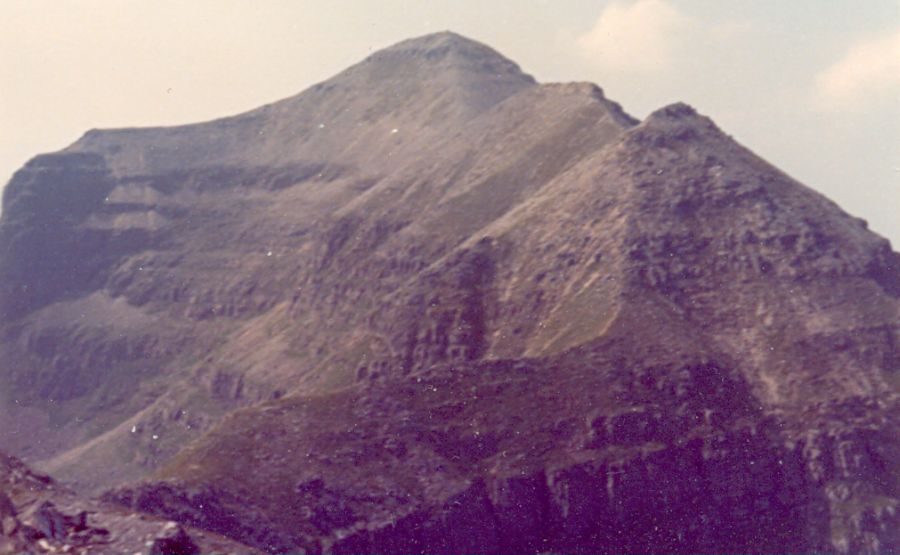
[
  {"x": 868, "y": 72},
  {"x": 637, "y": 37}
]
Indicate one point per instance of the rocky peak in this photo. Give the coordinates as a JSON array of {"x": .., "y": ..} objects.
[
  {"x": 677, "y": 125},
  {"x": 450, "y": 49},
  {"x": 432, "y": 84},
  {"x": 440, "y": 68},
  {"x": 676, "y": 110}
]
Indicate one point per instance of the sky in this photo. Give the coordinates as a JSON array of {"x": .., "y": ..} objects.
[{"x": 813, "y": 86}]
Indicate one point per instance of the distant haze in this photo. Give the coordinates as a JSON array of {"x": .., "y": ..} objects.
[{"x": 812, "y": 86}]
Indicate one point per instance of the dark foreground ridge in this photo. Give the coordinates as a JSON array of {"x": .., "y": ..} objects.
[
  {"x": 38, "y": 515},
  {"x": 432, "y": 306}
]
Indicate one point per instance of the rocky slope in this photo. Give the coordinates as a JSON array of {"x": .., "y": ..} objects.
[
  {"x": 38, "y": 515},
  {"x": 431, "y": 305}
]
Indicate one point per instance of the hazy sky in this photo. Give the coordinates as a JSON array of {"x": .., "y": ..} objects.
[{"x": 811, "y": 85}]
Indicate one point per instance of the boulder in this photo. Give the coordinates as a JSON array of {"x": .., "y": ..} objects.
[
  {"x": 173, "y": 540},
  {"x": 48, "y": 520}
]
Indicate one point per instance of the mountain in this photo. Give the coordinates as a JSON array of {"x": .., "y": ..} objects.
[{"x": 432, "y": 305}]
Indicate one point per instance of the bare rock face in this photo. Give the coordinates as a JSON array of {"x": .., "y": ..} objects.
[{"x": 431, "y": 305}]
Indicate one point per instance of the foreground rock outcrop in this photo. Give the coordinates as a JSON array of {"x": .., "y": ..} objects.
[
  {"x": 38, "y": 515},
  {"x": 432, "y": 305}
]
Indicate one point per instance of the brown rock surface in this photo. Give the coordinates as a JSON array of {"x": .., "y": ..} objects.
[{"x": 432, "y": 305}]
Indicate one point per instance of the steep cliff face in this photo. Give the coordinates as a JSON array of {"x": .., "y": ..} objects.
[
  {"x": 456, "y": 306},
  {"x": 47, "y": 199}
]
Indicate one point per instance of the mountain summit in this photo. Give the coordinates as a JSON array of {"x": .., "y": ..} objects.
[
  {"x": 423, "y": 86},
  {"x": 448, "y": 49},
  {"x": 431, "y": 305}
]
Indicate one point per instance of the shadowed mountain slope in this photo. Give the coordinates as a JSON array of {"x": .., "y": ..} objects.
[{"x": 430, "y": 302}]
